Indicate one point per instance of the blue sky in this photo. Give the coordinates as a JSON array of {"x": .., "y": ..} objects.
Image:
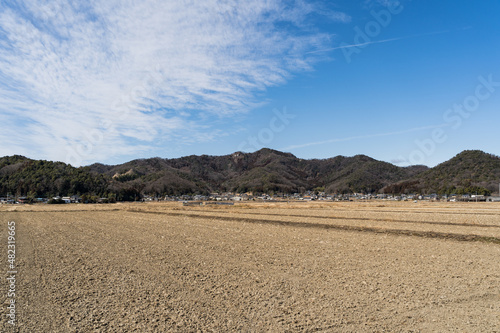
[{"x": 408, "y": 82}]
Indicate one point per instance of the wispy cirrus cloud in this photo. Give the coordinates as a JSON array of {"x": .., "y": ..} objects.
[
  {"x": 360, "y": 45},
  {"x": 359, "y": 137},
  {"x": 141, "y": 73}
]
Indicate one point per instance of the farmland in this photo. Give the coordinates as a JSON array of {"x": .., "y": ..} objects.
[{"x": 341, "y": 267}]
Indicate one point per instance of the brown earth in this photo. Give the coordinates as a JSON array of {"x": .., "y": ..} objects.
[{"x": 336, "y": 267}]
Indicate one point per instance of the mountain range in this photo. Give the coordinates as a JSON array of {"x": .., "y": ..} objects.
[{"x": 266, "y": 170}]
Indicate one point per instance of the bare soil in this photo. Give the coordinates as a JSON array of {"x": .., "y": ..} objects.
[{"x": 274, "y": 267}]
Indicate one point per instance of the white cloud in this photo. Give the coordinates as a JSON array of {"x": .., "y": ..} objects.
[{"x": 82, "y": 82}]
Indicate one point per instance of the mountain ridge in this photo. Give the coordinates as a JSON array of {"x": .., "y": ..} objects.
[{"x": 265, "y": 170}]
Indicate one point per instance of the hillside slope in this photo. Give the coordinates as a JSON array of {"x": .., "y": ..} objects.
[
  {"x": 22, "y": 176},
  {"x": 469, "y": 172},
  {"x": 266, "y": 170}
]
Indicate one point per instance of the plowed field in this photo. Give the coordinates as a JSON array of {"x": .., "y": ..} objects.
[{"x": 276, "y": 267}]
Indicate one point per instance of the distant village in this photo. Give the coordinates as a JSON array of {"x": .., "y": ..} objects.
[{"x": 231, "y": 198}]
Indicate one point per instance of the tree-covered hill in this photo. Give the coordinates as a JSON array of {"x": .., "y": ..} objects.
[
  {"x": 266, "y": 170},
  {"x": 469, "y": 172},
  {"x": 22, "y": 176}
]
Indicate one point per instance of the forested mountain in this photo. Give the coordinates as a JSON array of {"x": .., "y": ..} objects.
[
  {"x": 266, "y": 170},
  {"x": 22, "y": 176},
  {"x": 469, "y": 172},
  {"x": 263, "y": 171}
]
